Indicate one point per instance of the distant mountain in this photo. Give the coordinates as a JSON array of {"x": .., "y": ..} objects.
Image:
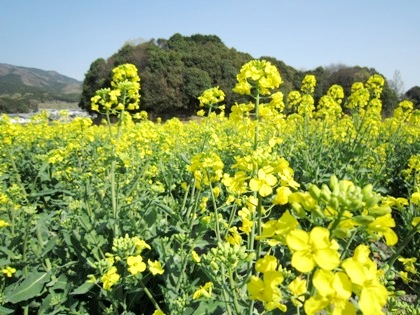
[{"x": 22, "y": 89}]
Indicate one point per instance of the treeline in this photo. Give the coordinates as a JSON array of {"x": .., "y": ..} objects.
[{"x": 175, "y": 71}]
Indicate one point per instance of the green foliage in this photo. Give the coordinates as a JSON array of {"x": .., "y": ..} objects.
[
  {"x": 175, "y": 70},
  {"x": 250, "y": 213},
  {"x": 413, "y": 95}
]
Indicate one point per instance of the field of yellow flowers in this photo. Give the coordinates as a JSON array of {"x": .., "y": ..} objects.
[{"x": 282, "y": 206}]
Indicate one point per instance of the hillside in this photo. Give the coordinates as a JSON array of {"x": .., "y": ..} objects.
[
  {"x": 175, "y": 71},
  {"x": 23, "y": 89}
]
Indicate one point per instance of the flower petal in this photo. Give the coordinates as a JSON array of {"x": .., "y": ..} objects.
[
  {"x": 297, "y": 240},
  {"x": 327, "y": 259},
  {"x": 303, "y": 261}
]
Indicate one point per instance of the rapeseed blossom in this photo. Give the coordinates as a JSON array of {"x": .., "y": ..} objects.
[
  {"x": 409, "y": 264},
  {"x": 263, "y": 184},
  {"x": 124, "y": 94},
  {"x": 308, "y": 84},
  {"x": 4, "y": 224},
  {"x": 211, "y": 97},
  {"x": 267, "y": 289},
  {"x": 110, "y": 278},
  {"x": 135, "y": 264},
  {"x": 258, "y": 74},
  {"x": 363, "y": 274},
  {"x": 275, "y": 231},
  {"x": 8, "y": 271},
  {"x": 204, "y": 291},
  {"x": 382, "y": 226},
  {"x": 332, "y": 289},
  {"x": 313, "y": 249},
  {"x": 298, "y": 288},
  {"x": 155, "y": 267}
]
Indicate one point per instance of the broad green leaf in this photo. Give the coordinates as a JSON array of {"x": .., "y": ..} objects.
[
  {"x": 49, "y": 246},
  {"x": 4, "y": 310},
  {"x": 83, "y": 289},
  {"x": 29, "y": 288}
]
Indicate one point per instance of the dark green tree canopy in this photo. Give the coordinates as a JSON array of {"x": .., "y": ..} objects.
[
  {"x": 175, "y": 71},
  {"x": 413, "y": 95}
]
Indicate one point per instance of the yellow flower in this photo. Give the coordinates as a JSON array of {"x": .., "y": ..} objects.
[
  {"x": 404, "y": 276},
  {"x": 233, "y": 237},
  {"x": 415, "y": 198},
  {"x": 298, "y": 288},
  {"x": 409, "y": 264},
  {"x": 266, "y": 290},
  {"x": 158, "y": 312},
  {"x": 308, "y": 84},
  {"x": 196, "y": 258},
  {"x": 211, "y": 97},
  {"x": 3, "y": 224},
  {"x": 136, "y": 264},
  {"x": 246, "y": 226},
  {"x": 363, "y": 273},
  {"x": 415, "y": 221},
  {"x": 275, "y": 231},
  {"x": 260, "y": 73},
  {"x": 110, "y": 278},
  {"x": 382, "y": 226},
  {"x": 8, "y": 271},
  {"x": 155, "y": 267},
  {"x": 235, "y": 184},
  {"x": 282, "y": 195},
  {"x": 265, "y": 264},
  {"x": 263, "y": 184},
  {"x": 139, "y": 244},
  {"x": 204, "y": 290},
  {"x": 332, "y": 289},
  {"x": 311, "y": 249}
]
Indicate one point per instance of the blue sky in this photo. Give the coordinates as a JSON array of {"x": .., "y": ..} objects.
[{"x": 68, "y": 35}]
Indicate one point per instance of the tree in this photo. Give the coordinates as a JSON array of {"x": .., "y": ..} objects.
[
  {"x": 95, "y": 78},
  {"x": 397, "y": 84},
  {"x": 413, "y": 95}
]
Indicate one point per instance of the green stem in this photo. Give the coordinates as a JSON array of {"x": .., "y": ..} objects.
[
  {"x": 185, "y": 258},
  {"x": 232, "y": 288},
  {"x": 150, "y": 296},
  {"x": 216, "y": 213},
  {"x": 407, "y": 240},
  {"x": 348, "y": 244},
  {"x": 257, "y": 120},
  {"x": 15, "y": 170}
]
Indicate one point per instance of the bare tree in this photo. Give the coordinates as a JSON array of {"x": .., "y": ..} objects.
[{"x": 397, "y": 84}]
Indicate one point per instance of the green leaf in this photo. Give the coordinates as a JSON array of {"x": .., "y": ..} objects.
[
  {"x": 49, "y": 246},
  {"x": 4, "y": 310},
  {"x": 83, "y": 289},
  {"x": 29, "y": 288}
]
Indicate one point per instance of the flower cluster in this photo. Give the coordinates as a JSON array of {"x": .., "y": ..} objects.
[
  {"x": 126, "y": 256},
  {"x": 267, "y": 289},
  {"x": 124, "y": 94},
  {"x": 260, "y": 75},
  {"x": 211, "y": 97}
]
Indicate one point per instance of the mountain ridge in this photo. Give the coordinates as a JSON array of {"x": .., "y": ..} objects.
[{"x": 22, "y": 89}]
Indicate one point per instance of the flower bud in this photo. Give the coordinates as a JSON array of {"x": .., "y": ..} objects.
[
  {"x": 314, "y": 191},
  {"x": 377, "y": 211},
  {"x": 399, "y": 293},
  {"x": 298, "y": 209},
  {"x": 363, "y": 219},
  {"x": 325, "y": 193},
  {"x": 334, "y": 203},
  {"x": 333, "y": 182},
  {"x": 214, "y": 265}
]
